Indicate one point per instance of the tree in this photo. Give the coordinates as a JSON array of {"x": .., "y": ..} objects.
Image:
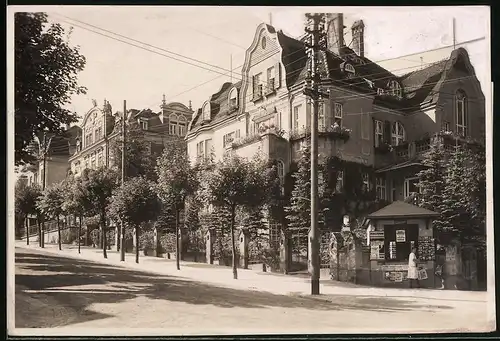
[
  {"x": 192, "y": 224},
  {"x": 140, "y": 160},
  {"x": 51, "y": 204},
  {"x": 76, "y": 202},
  {"x": 176, "y": 182},
  {"x": 98, "y": 186},
  {"x": 298, "y": 211},
  {"x": 431, "y": 183},
  {"x": 46, "y": 69},
  {"x": 235, "y": 183},
  {"x": 135, "y": 203},
  {"x": 26, "y": 198}
]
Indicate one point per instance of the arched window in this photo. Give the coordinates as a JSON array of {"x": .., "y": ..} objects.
[
  {"x": 182, "y": 125},
  {"x": 398, "y": 134},
  {"x": 461, "y": 113},
  {"x": 206, "y": 112},
  {"x": 396, "y": 89},
  {"x": 172, "y": 124},
  {"x": 233, "y": 98}
]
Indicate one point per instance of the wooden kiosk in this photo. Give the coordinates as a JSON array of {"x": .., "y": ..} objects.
[{"x": 392, "y": 232}]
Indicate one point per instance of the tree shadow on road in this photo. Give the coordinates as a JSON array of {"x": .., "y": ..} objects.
[{"x": 76, "y": 284}]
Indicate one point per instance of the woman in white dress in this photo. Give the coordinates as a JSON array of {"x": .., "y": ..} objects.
[{"x": 412, "y": 268}]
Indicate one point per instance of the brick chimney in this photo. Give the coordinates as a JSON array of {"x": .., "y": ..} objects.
[
  {"x": 335, "y": 31},
  {"x": 358, "y": 38}
]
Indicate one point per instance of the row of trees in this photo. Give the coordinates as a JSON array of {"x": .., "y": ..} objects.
[
  {"x": 233, "y": 184},
  {"x": 454, "y": 185}
]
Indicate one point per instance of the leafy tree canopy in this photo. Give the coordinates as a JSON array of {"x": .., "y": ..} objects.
[
  {"x": 135, "y": 202},
  {"x": 46, "y": 69}
]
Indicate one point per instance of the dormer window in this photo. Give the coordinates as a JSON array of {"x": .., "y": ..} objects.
[
  {"x": 144, "y": 124},
  {"x": 349, "y": 68},
  {"x": 396, "y": 89},
  {"x": 233, "y": 99},
  {"x": 263, "y": 43},
  {"x": 206, "y": 112}
]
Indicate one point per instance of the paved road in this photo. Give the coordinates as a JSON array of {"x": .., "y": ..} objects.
[{"x": 68, "y": 293}]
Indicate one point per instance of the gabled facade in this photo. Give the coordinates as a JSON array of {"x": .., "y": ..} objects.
[
  {"x": 372, "y": 116},
  {"x": 100, "y": 126}
]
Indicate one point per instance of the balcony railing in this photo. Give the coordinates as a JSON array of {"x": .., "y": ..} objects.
[{"x": 334, "y": 132}]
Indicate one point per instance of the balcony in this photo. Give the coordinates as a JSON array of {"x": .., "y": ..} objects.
[
  {"x": 334, "y": 132},
  {"x": 416, "y": 150}
]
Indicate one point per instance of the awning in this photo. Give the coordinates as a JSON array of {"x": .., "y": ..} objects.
[
  {"x": 399, "y": 166},
  {"x": 401, "y": 210}
]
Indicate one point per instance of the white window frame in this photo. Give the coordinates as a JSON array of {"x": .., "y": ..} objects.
[
  {"x": 181, "y": 125},
  {"x": 271, "y": 74},
  {"x": 407, "y": 186},
  {"x": 398, "y": 134},
  {"x": 233, "y": 98},
  {"x": 349, "y": 68},
  {"x": 206, "y": 112},
  {"x": 321, "y": 116},
  {"x": 396, "y": 89},
  {"x": 381, "y": 188},
  {"x": 446, "y": 126},
  {"x": 379, "y": 132},
  {"x": 281, "y": 172},
  {"x": 338, "y": 113},
  {"x": 144, "y": 124},
  {"x": 461, "y": 112},
  {"x": 200, "y": 148},
  {"x": 296, "y": 115},
  {"x": 257, "y": 84}
]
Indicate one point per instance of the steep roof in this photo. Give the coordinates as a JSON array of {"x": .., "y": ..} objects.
[
  {"x": 219, "y": 105},
  {"x": 418, "y": 84},
  {"x": 400, "y": 209}
]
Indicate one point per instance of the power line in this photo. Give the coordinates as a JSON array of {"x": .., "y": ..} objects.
[{"x": 229, "y": 71}]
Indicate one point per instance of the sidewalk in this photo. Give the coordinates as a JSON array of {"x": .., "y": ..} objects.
[{"x": 249, "y": 279}]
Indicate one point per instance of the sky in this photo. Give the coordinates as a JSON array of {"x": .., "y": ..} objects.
[{"x": 117, "y": 71}]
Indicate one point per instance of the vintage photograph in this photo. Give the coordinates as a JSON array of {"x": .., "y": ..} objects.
[{"x": 234, "y": 170}]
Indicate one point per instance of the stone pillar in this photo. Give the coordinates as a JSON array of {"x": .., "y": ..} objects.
[
  {"x": 156, "y": 246},
  {"x": 284, "y": 253},
  {"x": 209, "y": 241},
  {"x": 243, "y": 245}
]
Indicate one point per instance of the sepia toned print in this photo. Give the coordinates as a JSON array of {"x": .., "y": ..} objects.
[{"x": 249, "y": 170}]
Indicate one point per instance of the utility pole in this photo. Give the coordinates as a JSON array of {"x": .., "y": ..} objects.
[
  {"x": 312, "y": 90},
  {"x": 124, "y": 136},
  {"x": 454, "y": 35}
]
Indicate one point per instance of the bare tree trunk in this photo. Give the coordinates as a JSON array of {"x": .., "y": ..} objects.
[
  {"x": 137, "y": 233},
  {"x": 103, "y": 237},
  {"x": 26, "y": 224},
  {"x": 177, "y": 235},
  {"x": 58, "y": 233},
  {"x": 79, "y": 232},
  {"x": 233, "y": 243}
]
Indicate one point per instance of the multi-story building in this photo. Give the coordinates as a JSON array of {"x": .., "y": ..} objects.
[
  {"x": 53, "y": 153},
  {"x": 100, "y": 126},
  {"x": 372, "y": 117}
]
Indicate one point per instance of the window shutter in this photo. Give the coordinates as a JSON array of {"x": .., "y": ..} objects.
[
  {"x": 277, "y": 76},
  {"x": 387, "y": 132},
  {"x": 253, "y": 87}
]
